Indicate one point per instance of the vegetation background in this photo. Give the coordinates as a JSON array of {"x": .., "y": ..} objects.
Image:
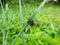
[{"x": 46, "y": 29}]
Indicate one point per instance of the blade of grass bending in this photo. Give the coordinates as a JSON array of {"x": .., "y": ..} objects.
[
  {"x": 13, "y": 42},
  {"x": 3, "y": 31},
  {"x": 19, "y": 34},
  {"x": 3, "y": 37},
  {"x": 51, "y": 24},
  {"x": 20, "y": 7},
  {"x": 52, "y": 27},
  {"x": 39, "y": 8}
]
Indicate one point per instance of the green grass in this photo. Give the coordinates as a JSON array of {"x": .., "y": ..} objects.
[{"x": 40, "y": 33}]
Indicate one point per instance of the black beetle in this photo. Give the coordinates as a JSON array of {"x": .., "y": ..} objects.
[{"x": 30, "y": 22}]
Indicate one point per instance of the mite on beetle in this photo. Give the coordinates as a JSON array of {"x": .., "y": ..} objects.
[{"x": 30, "y": 22}]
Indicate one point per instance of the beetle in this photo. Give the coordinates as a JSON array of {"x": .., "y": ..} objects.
[{"x": 30, "y": 22}]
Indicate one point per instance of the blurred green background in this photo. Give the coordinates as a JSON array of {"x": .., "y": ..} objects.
[{"x": 46, "y": 29}]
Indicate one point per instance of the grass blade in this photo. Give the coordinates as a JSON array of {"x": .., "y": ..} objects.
[
  {"x": 13, "y": 43},
  {"x": 3, "y": 31},
  {"x": 39, "y": 8},
  {"x": 20, "y": 7},
  {"x": 19, "y": 34}
]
